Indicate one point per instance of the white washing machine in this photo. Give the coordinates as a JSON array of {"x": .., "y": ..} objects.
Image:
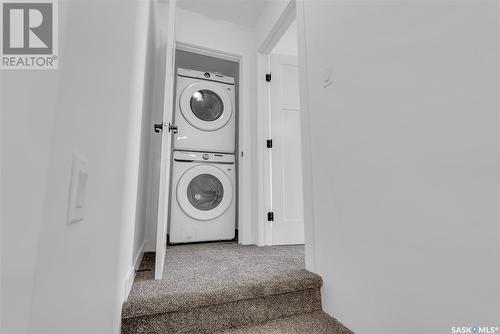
[
  {"x": 203, "y": 206},
  {"x": 204, "y": 112}
]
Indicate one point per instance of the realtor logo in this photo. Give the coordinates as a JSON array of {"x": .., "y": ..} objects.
[{"x": 29, "y": 34}]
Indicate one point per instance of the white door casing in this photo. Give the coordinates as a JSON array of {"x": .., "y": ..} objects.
[
  {"x": 286, "y": 153},
  {"x": 166, "y": 144}
]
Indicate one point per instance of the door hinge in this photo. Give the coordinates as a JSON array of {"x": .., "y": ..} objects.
[
  {"x": 268, "y": 77},
  {"x": 269, "y": 143},
  {"x": 270, "y": 216}
]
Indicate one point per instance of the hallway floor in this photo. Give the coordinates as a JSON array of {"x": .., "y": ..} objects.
[
  {"x": 212, "y": 265},
  {"x": 214, "y": 287}
]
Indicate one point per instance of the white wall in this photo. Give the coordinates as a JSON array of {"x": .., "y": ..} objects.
[
  {"x": 405, "y": 162},
  {"x": 59, "y": 278},
  {"x": 267, "y": 20},
  {"x": 27, "y": 111},
  {"x": 150, "y": 87},
  {"x": 287, "y": 45},
  {"x": 199, "y": 30}
]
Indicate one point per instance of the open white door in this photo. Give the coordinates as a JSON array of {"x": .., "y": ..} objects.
[
  {"x": 166, "y": 141},
  {"x": 286, "y": 153}
]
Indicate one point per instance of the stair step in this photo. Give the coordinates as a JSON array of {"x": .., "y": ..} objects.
[
  {"x": 229, "y": 314},
  {"x": 154, "y": 298},
  {"x": 214, "y": 287},
  {"x": 316, "y": 322}
]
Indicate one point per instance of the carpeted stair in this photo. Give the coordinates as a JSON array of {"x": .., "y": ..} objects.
[
  {"x": 315, "y": 322},
  {"x": 228, "y": 288}
]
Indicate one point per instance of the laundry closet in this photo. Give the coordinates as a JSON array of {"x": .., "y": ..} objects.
[
  {"x": 214, "y": 175},
  {"x": 204, "y": 166}
]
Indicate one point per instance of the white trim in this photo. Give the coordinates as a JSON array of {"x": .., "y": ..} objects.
[
  {"x": 129, "y": 280},
  {"x": 263, "y": 154},
  {"x": 245, "y": 220},
  {"x": 294, "y": 9},
  {"x": 307, "y": 177},
  {"x": 280, "y": 27},
  {"x": 244, "y": 140},
  {"x": 264, "y": 121}
]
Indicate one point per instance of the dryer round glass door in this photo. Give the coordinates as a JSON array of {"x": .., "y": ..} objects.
[
  {"x": 204, "y": 192},
  {"x": 206, "y": 105}
]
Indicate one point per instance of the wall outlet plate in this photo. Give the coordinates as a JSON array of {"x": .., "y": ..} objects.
[{"x": 77, "y": 189}]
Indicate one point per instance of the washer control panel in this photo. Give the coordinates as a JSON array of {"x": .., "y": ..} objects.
[{"x": 203, "y": 156}]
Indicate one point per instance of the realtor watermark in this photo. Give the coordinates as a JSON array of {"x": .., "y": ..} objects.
[
  {"x": 474, "y": 329},
  {"x": 29, "y": 34}
]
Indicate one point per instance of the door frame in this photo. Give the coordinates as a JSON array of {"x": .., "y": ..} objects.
[
  {"x": 243, "y": 190},
  {"x": 294, "y": 10}
]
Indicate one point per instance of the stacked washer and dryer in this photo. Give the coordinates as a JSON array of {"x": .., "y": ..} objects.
[{"x": 203, "y": 205}]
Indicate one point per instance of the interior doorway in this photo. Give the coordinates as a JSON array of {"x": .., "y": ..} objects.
[
  {"x": 204, "y": 178},
  {"x": 269, "y": 190},
  {"x": 279, "y": 97},
  {"x": 286, "y": 152},
  {"x": 228, "y": 274}
]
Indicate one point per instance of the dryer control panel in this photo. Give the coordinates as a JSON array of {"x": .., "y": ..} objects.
[{"x": 212, "y": 76}]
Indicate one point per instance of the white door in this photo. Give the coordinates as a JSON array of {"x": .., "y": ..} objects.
[
  {"x": 286, "y": 152},
  {"x": 166, "y": 142}
]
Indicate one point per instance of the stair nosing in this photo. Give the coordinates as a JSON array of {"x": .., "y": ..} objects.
[
  {"x": 225, "y": 294},
  {"x": 211, "y": 304}
]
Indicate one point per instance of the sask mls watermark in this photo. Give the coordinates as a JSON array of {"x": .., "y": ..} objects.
[
  {"x": 474, "y": 329},
  {"x": 29, "y": 34}
]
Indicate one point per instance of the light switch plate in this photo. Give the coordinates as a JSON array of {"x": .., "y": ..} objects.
[{"x": 77, "y": 189}]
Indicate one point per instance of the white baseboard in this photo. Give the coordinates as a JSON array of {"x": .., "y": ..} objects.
[
  {"x": 149, "y": 246},
  {"x": 129, "y": 280}
]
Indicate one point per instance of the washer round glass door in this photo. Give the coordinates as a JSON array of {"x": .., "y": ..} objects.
[
  {"x": 206, "y": 105},
  {"x": 204, "y": 192}
]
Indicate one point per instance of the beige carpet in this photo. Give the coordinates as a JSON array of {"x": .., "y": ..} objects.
[
  {"x": 222, "y": 286},
  {"x": 314, "y": 322}
]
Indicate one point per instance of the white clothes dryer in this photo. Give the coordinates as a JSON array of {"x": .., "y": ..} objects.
[{"x": 204, "y": 112}]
